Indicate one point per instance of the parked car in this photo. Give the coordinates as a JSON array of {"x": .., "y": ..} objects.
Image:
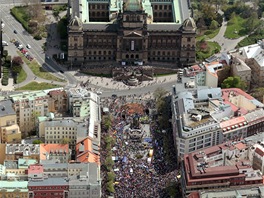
[
  {"x": 20, "y": 47},
  {"x": 16, "y": 43},
  {"x": 4, "y": 43}
]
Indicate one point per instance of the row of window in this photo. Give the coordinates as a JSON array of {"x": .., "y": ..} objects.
[
  {"x": 66, "y": 133},
  {"x": 161, "y": 7},
  {"x": 99, "y": 14}
]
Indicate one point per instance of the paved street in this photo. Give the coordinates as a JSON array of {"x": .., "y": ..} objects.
[
  {"x": 107, "y": 86},
  {"x": 225, "y": 43},
  {"x": 36, "y": 51}
]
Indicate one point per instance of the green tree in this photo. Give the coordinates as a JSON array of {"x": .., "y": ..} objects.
[
  {"x": 214, "y": 25},
  {"x": 233, "y": 82},
  {"x": 258, "y": 93},
  {"x": 65, "y": 141},
  {"x": 159, "y": 93},
  {"x": 252, "y": 22},
  {"x": 37, "y": 142},
  {"x": 110, "y": 176},
  {"x": 109, "y": 163},
  {"x": 110, "y": 187}
]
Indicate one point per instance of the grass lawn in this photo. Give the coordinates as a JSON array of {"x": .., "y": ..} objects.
[
  {"x": 38, "y": 71},
  {"x": 212, "y": 48},
  {"x": 21, "y": 76},
  {"x": 209, "y": 34},
  {"x": 37, "y": 86},
  {"x": 235, "y": 28}
]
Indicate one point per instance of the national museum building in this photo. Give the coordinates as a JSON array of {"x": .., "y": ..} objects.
[{"x": 131, "y": 32}]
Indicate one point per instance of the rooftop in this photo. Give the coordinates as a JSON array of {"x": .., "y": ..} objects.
[
  {"x": 11, "y": 186},
  {"x": 25, "y": 149},
  {"x": 51, "y": 181},
  {"x": 47, "y": 150},
  {"x": 6, "y": 108}
]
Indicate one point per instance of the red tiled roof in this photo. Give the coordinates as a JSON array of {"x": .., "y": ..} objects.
[
  {"x": 232, "y": 122},
  {"x": 87, "y": 155},
  {"x": 194, "y": 195},
  {"x": 35, "y": 168},
  {"x": 240, "y": 146},
  {"x": 47, "y": 148},
  {"x": 259, "y": 151},
  {"x": 55, "y": 92}
]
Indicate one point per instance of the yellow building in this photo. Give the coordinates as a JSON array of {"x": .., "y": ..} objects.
[
  {"x": 9, "y": 130},
  {"x": 13, "y": 189}
]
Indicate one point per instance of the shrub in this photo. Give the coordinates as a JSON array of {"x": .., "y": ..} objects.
[
  {"x": 5, "y": 53},
  {"x": 38, "y": 37}
]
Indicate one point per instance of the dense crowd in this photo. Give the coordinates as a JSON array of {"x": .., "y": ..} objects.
[{"x": 138, "y": 177}]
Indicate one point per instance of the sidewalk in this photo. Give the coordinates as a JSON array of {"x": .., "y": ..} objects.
[{"x": 109, "y": 83}]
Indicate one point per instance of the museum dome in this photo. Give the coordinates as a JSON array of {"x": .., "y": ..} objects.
[
  {"x": 76, "y": 21},
  {"x": 189, "y": 24}
]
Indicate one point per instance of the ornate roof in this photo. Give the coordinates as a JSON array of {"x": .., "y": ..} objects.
[
  {"x": 76, "y": 21},
  {"x": 133, "y": 5},
  {"x": 189, "y": 24}
]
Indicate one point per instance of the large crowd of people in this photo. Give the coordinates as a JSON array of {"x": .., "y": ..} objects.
[{"x": 139, "y": 176}]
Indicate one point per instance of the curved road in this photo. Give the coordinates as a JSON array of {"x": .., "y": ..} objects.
[{"x": 52, "y": 66}]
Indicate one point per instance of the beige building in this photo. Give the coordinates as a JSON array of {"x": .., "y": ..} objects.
[
  {"x": 14, "y": 189},
  {"x": 28, "y": 106},
  {"x": 241, "y": 69},
  {"x": 58, "y": 102},
  {"x": 10, "y": 132}
]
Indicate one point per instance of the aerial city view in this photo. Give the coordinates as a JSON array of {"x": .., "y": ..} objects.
[{"x": 132, "y": 99}]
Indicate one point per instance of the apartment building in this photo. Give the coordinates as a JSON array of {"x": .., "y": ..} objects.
[
  {"x": 48, "y": 187},
  {"x": 205, "y": 74},
  {"x": 82, "y": 175},
  {"x": 14, "y": 189},
  {"x": 64, "y": 130},
  {"x": 223, "y": 167},
  {"x": 28, "y": 106},
  {"x": 69, "y": 180},
  {"x": 9, "y": 129},
  {"x": 58, "y": 102},
  {"x": 204, "y": 117},
  {"x": 194, "y": 127},
  {"x": 17, "y": 169},
  {"x": 54, "y": 153},
  {"x": 241, "y": 69},
  {"x": 25, "y": 151},
  {"x": 87, "y": 151},
  {"x": 243, "y": 192}
]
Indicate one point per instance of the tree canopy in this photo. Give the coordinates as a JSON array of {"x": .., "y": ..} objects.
[{"x": 233, "y": 82}]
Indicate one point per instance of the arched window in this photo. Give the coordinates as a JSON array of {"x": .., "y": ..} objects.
[
  {"x": 127, "y": 56},
  {"x": 132, "y": 56}
]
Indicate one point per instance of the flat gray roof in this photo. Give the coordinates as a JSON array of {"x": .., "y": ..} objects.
[
  {"x": 49, "y": 182},
  {"x": 6, "y": 108}
]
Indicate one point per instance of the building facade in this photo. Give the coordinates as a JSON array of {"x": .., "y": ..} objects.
[
  {"x": 223, "y": 167},
  {"x": 9, "y": 129},
  {"x": 203, "y": 117},
  {"x": 131, "y": 32}
]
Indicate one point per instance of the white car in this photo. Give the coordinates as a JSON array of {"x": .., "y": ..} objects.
[
  {"x": 4, "y": 43},
  {"x": 28, "y": 46}
]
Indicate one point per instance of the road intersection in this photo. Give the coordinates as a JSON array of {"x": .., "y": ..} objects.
[{"x": 74, "y": 79}]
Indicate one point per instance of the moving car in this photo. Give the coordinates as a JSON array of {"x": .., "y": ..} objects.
[
  {"x": 28, "y": 46},
  {"x": 15, "y": 31}
]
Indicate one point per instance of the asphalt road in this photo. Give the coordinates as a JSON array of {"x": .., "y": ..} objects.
[{"x": 36, "y": 46}]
